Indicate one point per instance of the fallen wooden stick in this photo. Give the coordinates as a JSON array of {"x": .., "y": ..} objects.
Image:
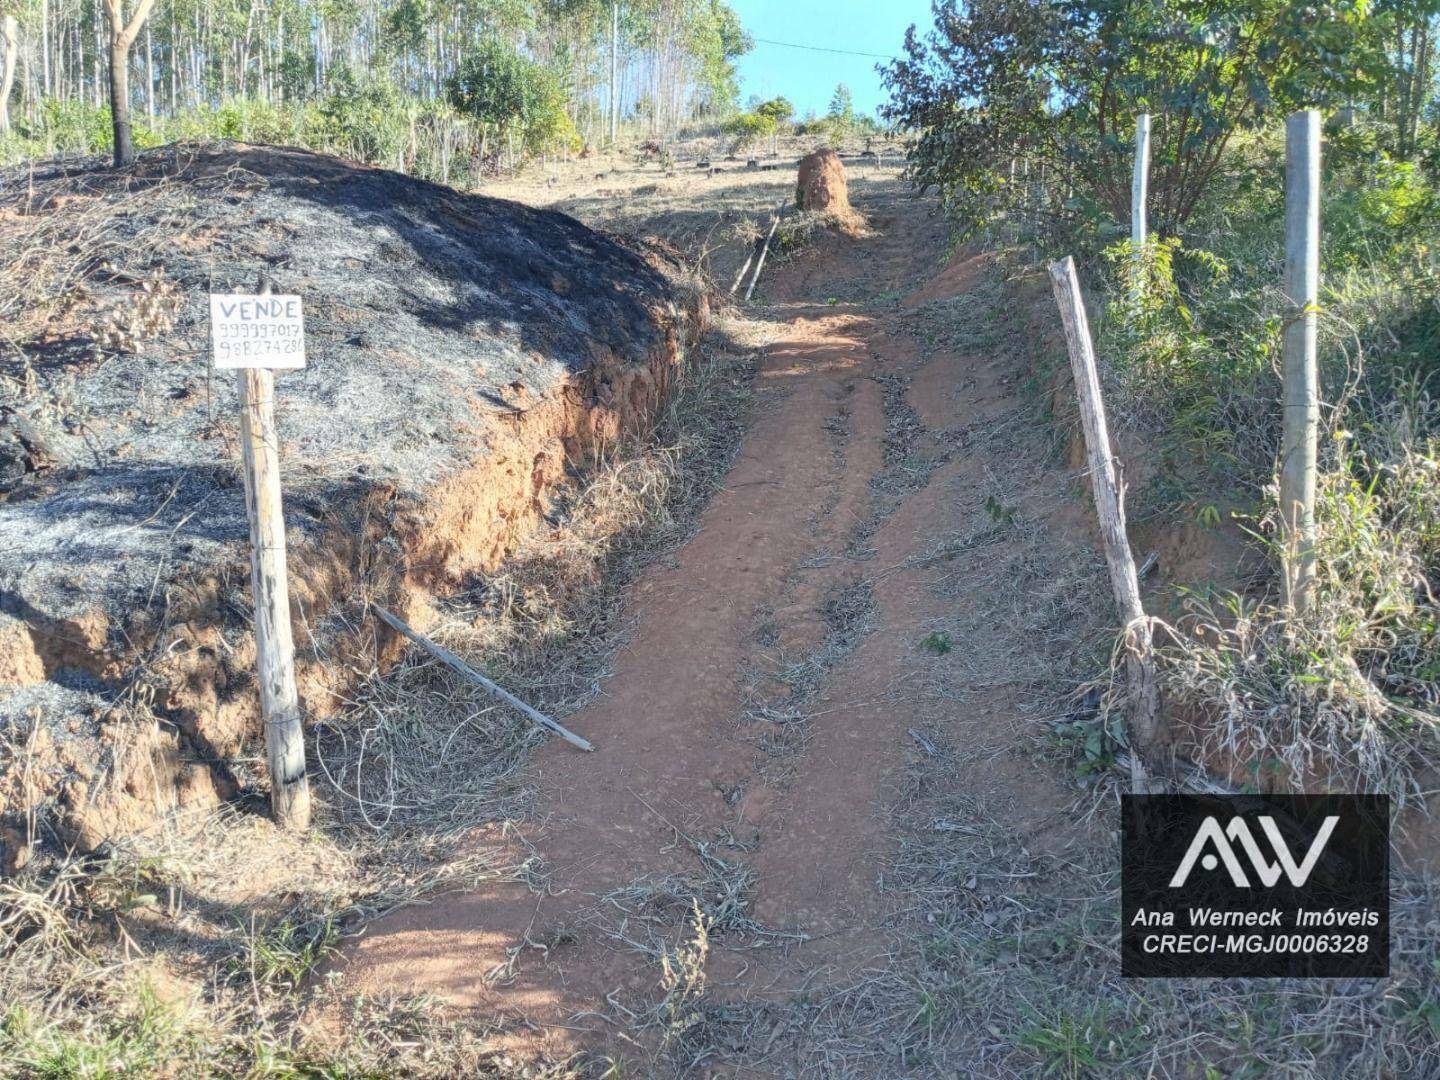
[
  {"x": 445, "y": 656},
  {"x": 775, "y": 221},
  {"x": 1187, "y": 777},
  {"x": 746, "y": 268}
]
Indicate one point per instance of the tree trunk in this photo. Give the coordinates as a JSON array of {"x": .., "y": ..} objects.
[
  {"x": 174, "y": 56},
  {"x": 614, "y": 69},
  {"x": 7, "y": 75},
  {"x": 45, "y": 45},
  {"x": 120, "y": 103},
  {"x": 97, "y": 81},
  {"x": 122, "y": 36},
  {"x": 149, "y": 75}
]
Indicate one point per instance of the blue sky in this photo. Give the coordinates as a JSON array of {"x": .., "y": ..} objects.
[{"x": 808, "y": 78}]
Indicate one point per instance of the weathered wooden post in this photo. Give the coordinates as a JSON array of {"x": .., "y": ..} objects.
[
  {"x": 1301, "y": 393},
  {"x": 1139, "y": 195},
  {"x": 1143, "y": 714},
  {"x": 255, "y": 335}
]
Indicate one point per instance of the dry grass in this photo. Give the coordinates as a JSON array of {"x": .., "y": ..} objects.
[
  {"x": 1347, "y": 697},
  {"x": 1002, "y": 959},
  {"x": 1252, "y": 679},
  {"x": 775, "y": 718},
  {"x": 40, "y": 276},
  {"x": 423, "y": 747},
  {"x": 197, "y": 949},
  {"x": 640, "y": 915},
  {"x": 193, "y": 950},
  {"x": 693, "y": 209}
]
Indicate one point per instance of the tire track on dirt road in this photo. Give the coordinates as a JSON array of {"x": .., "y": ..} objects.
[{"x": 753, "y": 738}]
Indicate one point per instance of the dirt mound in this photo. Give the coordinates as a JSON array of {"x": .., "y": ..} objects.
[
  {"x": 467, "y": 356},
  {"x": 823, "y": 188}
]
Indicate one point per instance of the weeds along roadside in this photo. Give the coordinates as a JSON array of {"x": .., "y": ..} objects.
[
  {"x": 1349, "y": 697},
  {"x": 1039, "y": 974},
  {"x": 196, "y": 949},
  {"x": 1343, "y": 700}
]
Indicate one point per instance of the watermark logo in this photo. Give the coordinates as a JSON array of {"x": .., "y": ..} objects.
[
  {"x": 1211, "y": 832},
  {"x": 1251, "y": 885}
]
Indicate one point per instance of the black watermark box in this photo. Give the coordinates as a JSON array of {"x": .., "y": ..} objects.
[{"x": 1241, "y": 885}]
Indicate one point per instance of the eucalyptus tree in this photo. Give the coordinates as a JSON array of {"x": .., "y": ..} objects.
[
  {"x": 205, "y": 57},
  {"x": 1408, "y": 37},
  {"x": 123, "y": 31}
]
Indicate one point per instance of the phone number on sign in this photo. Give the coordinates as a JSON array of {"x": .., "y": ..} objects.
[
  {"x": 258, "y": 332},
  {"x": 1183, "y": 944},
  {"x": 258, "y": 347}
]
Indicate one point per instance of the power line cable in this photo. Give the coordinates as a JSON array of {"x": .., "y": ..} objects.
[{"x": 820, "y": 48}]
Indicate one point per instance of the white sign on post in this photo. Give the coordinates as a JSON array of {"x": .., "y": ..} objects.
[
  {"x": 257, "y": 331},
  {"x": 256, "y": 334}
]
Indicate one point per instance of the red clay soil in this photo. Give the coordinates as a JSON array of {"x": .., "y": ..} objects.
[{"x": 818, "y": 507}]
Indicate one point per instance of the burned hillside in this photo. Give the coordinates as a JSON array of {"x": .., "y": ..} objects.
[{"x": 466, "y": 356}]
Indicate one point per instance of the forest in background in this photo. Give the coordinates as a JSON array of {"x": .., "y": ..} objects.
[{"x": 442, "y": 89}]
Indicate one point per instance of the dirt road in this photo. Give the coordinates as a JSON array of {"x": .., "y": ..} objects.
[{"x": 845, "y": 668}]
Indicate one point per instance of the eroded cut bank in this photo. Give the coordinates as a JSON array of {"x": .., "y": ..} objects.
[{"x": 468, "y": 357}]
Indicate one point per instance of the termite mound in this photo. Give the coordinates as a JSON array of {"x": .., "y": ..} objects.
[{"x": 822, "y": 187}]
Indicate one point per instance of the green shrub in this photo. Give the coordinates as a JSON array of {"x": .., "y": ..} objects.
[
  {"x": 362, "y": 118},
  {"x": 1377, "y": 215},
  {"x": 444, "y": 142},
  {"x": 1195, "y": 356},
  {"x": 1348, "y": 695},
  {"x": 749, "y": 128},
  {"x": 74, "y": 127},
  {"x": 511, "y": 97},
  {"x": 780, "y": 110}
]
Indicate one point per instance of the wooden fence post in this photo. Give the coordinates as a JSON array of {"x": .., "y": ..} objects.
[
  {"x": 1301, "y": 393},
  {"x": 1143, "y": 713},
  {"x": 274, "y": 646},
  {"x": 1139, "y": 194}
]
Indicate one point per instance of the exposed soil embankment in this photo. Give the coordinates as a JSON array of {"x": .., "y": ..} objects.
[{"x": 466, "y": 357}]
